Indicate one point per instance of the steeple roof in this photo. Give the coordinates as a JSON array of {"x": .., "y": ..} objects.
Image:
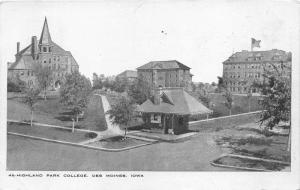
[{"x": 45, "y": 36}]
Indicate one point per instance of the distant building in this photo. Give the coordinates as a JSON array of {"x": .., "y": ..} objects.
[
  {"x": 166, "y": 74},
  {"x": 241, "y": 69},
  {"x": 128, "y": 75},
  {"x": 46, "y": 53},
  {"x": 169, "y": 110}
]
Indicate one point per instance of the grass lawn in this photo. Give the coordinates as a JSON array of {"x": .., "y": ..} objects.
[
  {"x": 240, "y": 105},
  {"x": 117, "y": 142},
  {"x": 233, "y": 136},
  {"x": 51, "y": 111},
  {"x": 48, "y": 132},
  {"x": 250, "y": 141}
]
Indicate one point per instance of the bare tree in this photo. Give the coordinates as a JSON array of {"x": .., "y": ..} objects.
[{"x": 31, "y": 98}]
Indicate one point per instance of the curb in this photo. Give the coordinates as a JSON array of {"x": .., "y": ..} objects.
[
  {"x": 53, "y": 126},
  {"x": 79, "y": 145},
  {"x": 155, "y": 138},
  {"x": 256, "y": 158},
  {"x": 246, "y": 168}
]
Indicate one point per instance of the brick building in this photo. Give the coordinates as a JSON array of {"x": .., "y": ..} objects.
[
  {"x": 241, "y": 69},
  {"x": 128, "y": 75},
  {"x": 44, "y": 52},
  {"x": 166, "y": 74}
]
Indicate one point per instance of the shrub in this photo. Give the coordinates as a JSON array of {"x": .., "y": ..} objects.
[
  {"x": 90, "y": 135},
  {"x": 16, "y": 86}
]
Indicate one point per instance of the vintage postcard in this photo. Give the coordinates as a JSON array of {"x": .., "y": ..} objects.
[{"x": 175, "y": 94}]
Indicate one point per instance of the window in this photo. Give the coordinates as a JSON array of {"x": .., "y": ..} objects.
[
  {"x": 155, "y": 118},
  {"x": 49, "y": 60},
  {"x": 54, "y": 58},
  {"x": 50, "y": 49},
  {"x": 45, "y": 61},
  {"x": 44, "y": 49}
]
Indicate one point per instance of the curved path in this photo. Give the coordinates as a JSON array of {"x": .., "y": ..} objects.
[
  {"x": 112, "y": 129},
  {"x": 110, "y": 125}
]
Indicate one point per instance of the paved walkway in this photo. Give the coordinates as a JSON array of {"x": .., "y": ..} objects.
[{"x": 110, "y": 125}]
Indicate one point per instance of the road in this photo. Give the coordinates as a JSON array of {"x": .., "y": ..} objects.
[{"x": 192, "y": 155}]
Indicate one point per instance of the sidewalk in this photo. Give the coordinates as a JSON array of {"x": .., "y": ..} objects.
[
  {"x": 110, "y": 125},
  {"x": 163, "y": 137}
]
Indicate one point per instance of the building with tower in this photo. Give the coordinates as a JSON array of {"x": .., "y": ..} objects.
[{"x": 45, "y": 52}]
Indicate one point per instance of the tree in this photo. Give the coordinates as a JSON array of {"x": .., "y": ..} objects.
[
  {"x": 139, "y": 91},
  {"x": 201, "y": 85},
  {"x": 221, "y": 85},
  {"x": 31, "y": 98},
  {"x": 15, "y": 84},
  {"x": 74, "y": 93},
  {"x": 249, "y": 95},
  {"x": 205, "y": 99},
  {"x": 120, "y": 84},
  {"x": 44, "y": 77},
  {"x": 194, "y": 87},
  {"x": 123, "y": 112},
  {"x": 228, "y": 100},
  {"x": 276, "y": 91},
  {"x": 97, "y": 81}
]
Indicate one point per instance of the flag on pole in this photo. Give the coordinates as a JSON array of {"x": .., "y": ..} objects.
[{"x": 255, "y": 43}]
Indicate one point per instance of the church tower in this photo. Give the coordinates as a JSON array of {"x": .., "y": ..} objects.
[{"x": 45, "y": 43}]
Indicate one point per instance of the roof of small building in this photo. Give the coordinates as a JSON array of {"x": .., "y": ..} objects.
[
  {"x": 269, "y": 55},
  {"x": 174, "y": 101},
  {"x": 170, "y": 64},
  {"x": 128, "y": 74}
]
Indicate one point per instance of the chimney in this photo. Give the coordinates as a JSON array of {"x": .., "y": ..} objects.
[
  {"x": 34, "y": 47},
  {"x": 18, "y": 47},
  {"x": 157, "y": 95}
]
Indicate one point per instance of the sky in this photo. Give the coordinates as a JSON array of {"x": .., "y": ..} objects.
[{"x": 108, "y": 37}]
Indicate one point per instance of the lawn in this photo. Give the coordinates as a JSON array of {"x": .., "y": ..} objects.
[
  {"x": 117, "y": 143},
  {"x": 229, "y": 136},
  {"x": 249, "y": 140},
  {"x": 51, "y": 111},
  {"x": 49, "y": 133},
  {"x": 240, "y": 105}
]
